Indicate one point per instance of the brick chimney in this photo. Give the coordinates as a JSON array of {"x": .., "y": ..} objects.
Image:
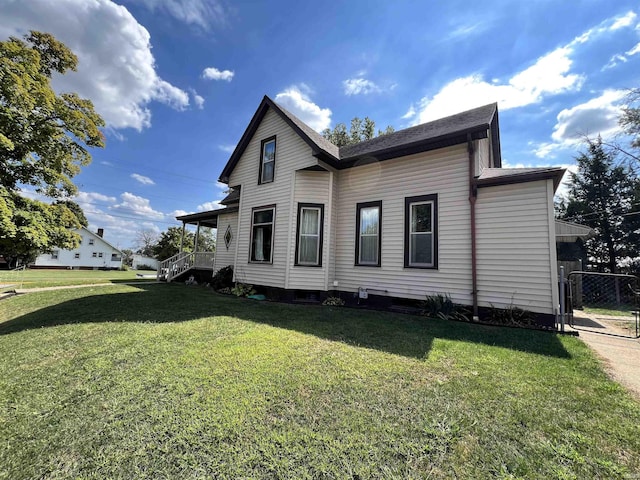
[{"x": 100, "y": 232}]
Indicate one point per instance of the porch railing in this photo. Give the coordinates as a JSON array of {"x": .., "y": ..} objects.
[{"x": 181, "y": 262}]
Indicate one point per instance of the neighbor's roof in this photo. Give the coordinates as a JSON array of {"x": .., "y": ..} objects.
[
  {"x": 502, "y": 176},
  {"x": 570, "y": 232},
  {"x": 99, "y": 237},
  {"x": 443, "y": 132}
]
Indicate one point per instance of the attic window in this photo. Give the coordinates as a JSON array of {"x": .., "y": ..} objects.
[
  {"x": 91, "y": 241},
  {"x": 267, "y": 160}
]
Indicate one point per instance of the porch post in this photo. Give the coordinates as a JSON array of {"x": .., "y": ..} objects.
[
  {"x": 195, "y": 242},
  {"x": 182, "y": 237}
]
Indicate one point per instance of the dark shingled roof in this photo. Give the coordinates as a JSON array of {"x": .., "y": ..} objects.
[
  {"x": 478, "y": 119},
  {"x": 452, "y": 130},
  {"x": 502, "y": 176},
  {"x": 206, "y": 219},
  {"x": 232, "y": 197}
]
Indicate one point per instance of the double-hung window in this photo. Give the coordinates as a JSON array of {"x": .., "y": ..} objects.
[
  {"x": 267, "y": 160},
  {"x": 91, "y": 241},
  {"x": 262, "y": 220},
  {"x": 368, "y": 233},
  {"x": 421, "y": 232},
  {"x": 309, "y": 240}
]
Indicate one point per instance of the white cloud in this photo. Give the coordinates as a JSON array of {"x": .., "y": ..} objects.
[
  {"x": 179, "y": 213},
  {"x": 198, "y": 100},
  {"x": 227, "y": 148},
  {"x": 87, "y": 198},
  {"x": 635, "y": 50},
  {"x": 359, "y": 86},
  {"x": 299, "y": 103},
  {"x": 549, "y": 75},
  {"x": 142, "y": 179},
  {"x": 134, "y": 205},
  {"x": 598, "y": 116},
  {"x": 410, "y": 113},
  {"x": 212, "y": 73},
  {"x": 202, "y": 13},
  {"x": 116, "y": 68},
  {"x": 624, "y": 21},
  {"x": 214, "y": 205}
]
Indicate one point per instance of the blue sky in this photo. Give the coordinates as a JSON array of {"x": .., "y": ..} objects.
[{"x": 178, "y": 80}]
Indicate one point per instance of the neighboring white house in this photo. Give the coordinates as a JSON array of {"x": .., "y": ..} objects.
[
  {"x": 93, "y": 252},
  {"x": 141, "y": 261},
  {"x": 422, "y": 211}
]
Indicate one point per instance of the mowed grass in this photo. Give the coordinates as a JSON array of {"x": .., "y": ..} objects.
[
  {"x": 168, "y": 381},
  {"x": 54, "y": 278}
]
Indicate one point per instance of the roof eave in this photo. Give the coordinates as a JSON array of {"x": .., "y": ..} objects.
[{"x": 555, "y": 174}]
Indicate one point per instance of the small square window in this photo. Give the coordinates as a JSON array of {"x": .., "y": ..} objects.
[
  {"x": 54, "y": 254},
  {"x": 91, "y": 241},
  {"x": 77, "y": 255},
  {"x": 94, "y": 254},
  {"x": 100, "y": 255}
]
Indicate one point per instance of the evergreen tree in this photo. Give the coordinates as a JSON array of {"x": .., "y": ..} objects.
[{"x": 604, "y": 196}]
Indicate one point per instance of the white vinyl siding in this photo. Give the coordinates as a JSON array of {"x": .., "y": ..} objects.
[
  {"x": 225, "y": 256},
  {"x": 443, "y": 172},
  {"x": 310, "y": 187},
  {"x": 292, "y": 154},
  {"x": 514, "y": 250}
]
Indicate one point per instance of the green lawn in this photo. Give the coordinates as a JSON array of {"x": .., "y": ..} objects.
[
  {"x": 168, "y": 381},
  {"x": 51, "y": 278}
]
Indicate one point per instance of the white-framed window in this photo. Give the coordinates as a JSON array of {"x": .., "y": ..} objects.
[
  {"x": 267, "y": 160},
  {"x": 368, "y": 233},
  {"x": 94, "y": 254},
  {"x": 262, "y": 221},
  {"x": 76, "y": 255},
  {"x": 54, "y": 254},
  {"x": 421, "y": 232},
  {"x": 100, "y": 255},
  {"x": 309, "y": 239},
  {"x": 91, "y": 241}
]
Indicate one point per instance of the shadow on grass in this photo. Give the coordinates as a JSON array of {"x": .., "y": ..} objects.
[{"x": 399, "y": 334}]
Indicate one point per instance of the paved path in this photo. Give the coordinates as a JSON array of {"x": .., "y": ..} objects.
[
  {"x": 64, "y": 287},
  {"x": 621, "y": 354}
]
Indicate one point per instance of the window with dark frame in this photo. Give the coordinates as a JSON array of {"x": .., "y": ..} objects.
[
  {"x": 309, "y": 237},
  {"x": 94, "y": 254},
  {"x": 368, "y": 233},
  {"x": 267, "y": 160},
  {"x": 421, "y": 232},
  {"x": 91, "y": 241},
  {"x": 77, "y": 255},
  {"x": 54, "y": 254},
  {"x": 262, "y": 220}
]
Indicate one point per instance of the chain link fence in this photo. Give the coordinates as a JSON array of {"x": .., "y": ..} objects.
[{"x": 603, "y": 302}]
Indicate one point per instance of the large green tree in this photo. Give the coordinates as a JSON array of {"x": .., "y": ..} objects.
[
  {"x": 360, "y": 131},
  {"x": 604, "y": 195},
  {"x": 168, "y": 244},
  {"x": 44, "y": 141}
]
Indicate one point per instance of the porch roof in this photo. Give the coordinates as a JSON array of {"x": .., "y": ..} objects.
[{"x": 206, "y": 219}]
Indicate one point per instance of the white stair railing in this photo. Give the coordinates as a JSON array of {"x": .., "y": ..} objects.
[{"x": 180, "y": 263}]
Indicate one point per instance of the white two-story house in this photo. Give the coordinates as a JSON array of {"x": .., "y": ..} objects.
[
  {"x": 94, "y": 252},
  {"x": 421, "y": 211}
]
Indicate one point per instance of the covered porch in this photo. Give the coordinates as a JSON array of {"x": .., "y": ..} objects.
[{"x": 183, "y": 262}]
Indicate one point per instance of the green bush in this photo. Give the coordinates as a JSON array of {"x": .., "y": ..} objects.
[
  {"x": 223, "y": 278},
  {"x": 333, "y": 302},
  {"x": 441, "y": 306},
  {"x": 243, "y": 290},
  {"x": 512, "y": 315}
]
